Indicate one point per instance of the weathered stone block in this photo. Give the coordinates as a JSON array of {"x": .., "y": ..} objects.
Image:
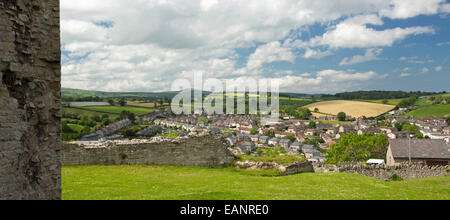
[{"x": 24, "y": 146}]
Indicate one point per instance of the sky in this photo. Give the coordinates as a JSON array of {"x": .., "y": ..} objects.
[{"x": 318, "y": 46}]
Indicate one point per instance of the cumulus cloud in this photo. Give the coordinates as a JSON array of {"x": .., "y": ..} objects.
[
  {"x": 438, "y": 68},
  {"x": 149, "y": 43},
  {"x": 316, "y": 54},
  {"x": 354, "y": 33},
  {"x": 425, "y": 70},
  {"x": 371, "y": 54},
  {"x": 405, "y": 74},
  {"x": 269, "y": 53}
]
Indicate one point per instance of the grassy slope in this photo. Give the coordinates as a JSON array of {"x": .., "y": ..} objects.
[
  {"x": 169, "y": 183},
  {"x": 431, "y": 110},
  {"x": 87, "y": 112},
  {"x": 118, "y": 109}
]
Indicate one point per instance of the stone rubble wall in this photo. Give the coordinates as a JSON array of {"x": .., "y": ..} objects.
[
  {"x": 30, "y": 100},
  {"x": 384, "y": 172},
  {"x": 303, "y": 167},
  {"x": 196, "y": 151}
]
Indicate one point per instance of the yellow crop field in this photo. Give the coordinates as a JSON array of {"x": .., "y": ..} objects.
[{"x": 352, "y": 108}]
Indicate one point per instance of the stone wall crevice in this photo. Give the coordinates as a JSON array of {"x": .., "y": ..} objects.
[{"x": 30, "y": 105}]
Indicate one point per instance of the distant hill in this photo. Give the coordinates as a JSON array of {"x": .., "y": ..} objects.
[{"x": 79, "y": 93}]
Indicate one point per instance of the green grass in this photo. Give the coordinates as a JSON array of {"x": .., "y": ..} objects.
[
  {"x": 194, "y": 183},
  {"x": 88, "y": 113},
  {"x": 76, "y": 128},
  {"x": 335, "y": 122},
  {"x": 390, "y": 101},
  {"x": 118, "y": 109},
  {"x": 431, "y": 110},
  {"x": 270, "y": 155}
]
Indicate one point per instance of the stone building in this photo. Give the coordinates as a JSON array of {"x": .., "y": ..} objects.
[
  {"x": 426, "y": 151},
  {"x": 30, "y": 100}
]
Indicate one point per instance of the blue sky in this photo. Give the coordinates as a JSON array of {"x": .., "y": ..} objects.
[{"x": 309, "y": 46}]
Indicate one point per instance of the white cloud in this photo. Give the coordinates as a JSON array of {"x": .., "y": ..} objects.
[
  {"x": 152, "y": 42},
  {"x": 438, "y": 68},
  {"x": 402, "y": 9},
  {"x": 425, "y": 70},
  {"x": 354, "y": 33},
  {"x": 269, "y": 53},
  {"x": 316, "y": 54},
  {"x": 371, "y": 54},
  {"x": 405, "y": 75}
]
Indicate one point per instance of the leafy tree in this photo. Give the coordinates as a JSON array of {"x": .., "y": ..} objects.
[
  {"x": 312, "y": 125},
  {"x": 357, "y": 148},
  {"x": 342, "y": 116},
  {"x": 66, "y": 128},
  {"x": 413, "y": 129},
  {"x": 254, "y": 131},
  {"x": 111, "y": 102},
  {"x": 303, "y": 114},
  {"x": 385, "y": 101},
  {"x": 270, "y": 134},
  {"x": 405, "y": 103},
  {"x": 448, "y": 121},
  {"x": 399, "y": 126},
  {"x": 316, "y": 110},
  {"x": 290, "y": 137},
  {"x": 106, "y": 121},
  {"x": 122, "y": 102}
]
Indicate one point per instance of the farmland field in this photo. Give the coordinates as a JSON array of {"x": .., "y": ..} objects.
[
  {"x": 118, "y": 109},
  {"x": 88, "y": 113},
  {"x": 195, "y": 183},
  {"x": 431, "y": 110},
  {"x": 354, "y": 108}
]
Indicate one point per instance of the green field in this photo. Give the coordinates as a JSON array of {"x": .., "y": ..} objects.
[
  {"x": 118, "y": 109},
  {"x": 76, "y": 128},
  {"x": 88, "y": 113},
  {"x": 431, "y": 110},
  {"x": 389, "y": 101},
  {"x": 193, "y": 183}
]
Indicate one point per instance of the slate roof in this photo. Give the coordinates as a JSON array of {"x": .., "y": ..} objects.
[{"x": 420, "y": 148}]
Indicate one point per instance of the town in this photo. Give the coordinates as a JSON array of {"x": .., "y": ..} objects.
[{"x": 427, "y": 137}]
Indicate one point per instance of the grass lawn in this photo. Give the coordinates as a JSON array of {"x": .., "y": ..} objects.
[
  {"x": 194, "y": 183},
  {"x": 118, "y": 109},
  {"x": 431, "y": 110}
]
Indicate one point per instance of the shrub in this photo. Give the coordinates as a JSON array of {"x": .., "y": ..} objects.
[{"x": 396, "y": 177}]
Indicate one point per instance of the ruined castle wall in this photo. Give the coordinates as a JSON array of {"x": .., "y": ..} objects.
[
  {"x": 200, "y": 151},
  {"x": 30, "y": 103}
]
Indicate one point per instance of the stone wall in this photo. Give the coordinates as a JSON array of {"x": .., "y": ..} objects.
[
  {"x": 384, "y": 172},
  {"x": 299, "y": 167},
  {"x": 30, "y": 103},
  {"x": 196, "y": 151}
]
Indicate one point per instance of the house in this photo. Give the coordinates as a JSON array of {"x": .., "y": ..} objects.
[
  {"x": 430, "y": 152},
  {"x": 296, "y": 145},
  {"x": 263, "y": 139},
  {"x": 274, "y": 141},
  {"x": 285, "y": 143},
  {"x": 310, "y": 132},
  {"x": 254, "y": 138},
  {"x": 310, "y": 151},
  {"x": 446, "y": 131},
  {"x": 231, "y": 140},
  {"x": 247, "y": 147},
  {"x": 91, "y": 137}
]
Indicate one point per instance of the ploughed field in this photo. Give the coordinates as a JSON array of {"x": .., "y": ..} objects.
[
  {"x": 196, "y": 183},
  {"x": 354, "y": 108}
]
